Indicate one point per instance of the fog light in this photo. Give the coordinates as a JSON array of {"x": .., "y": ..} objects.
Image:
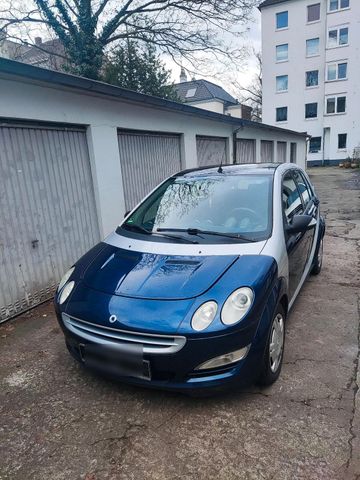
[{"x": 226, "y": 359}]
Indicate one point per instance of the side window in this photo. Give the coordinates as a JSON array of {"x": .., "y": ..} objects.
[
  {"x": 292, "y": 204},
  {"x": 303, "y": 187}
]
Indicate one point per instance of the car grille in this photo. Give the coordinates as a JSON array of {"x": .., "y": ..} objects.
[{"x": 158, "y": 344}]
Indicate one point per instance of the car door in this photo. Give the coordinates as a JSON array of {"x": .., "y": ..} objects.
[
  {"x": 296, "y": 244},
  {"x": 310, "y": 208}
]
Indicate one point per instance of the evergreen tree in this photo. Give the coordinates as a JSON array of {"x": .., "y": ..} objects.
[{"x": 139, "y": 69}]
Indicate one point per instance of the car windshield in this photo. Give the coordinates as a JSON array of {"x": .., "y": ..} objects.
[{"x": 234, "y": 206}]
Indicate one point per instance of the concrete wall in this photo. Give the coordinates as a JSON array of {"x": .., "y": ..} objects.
[
  {"x": 298, "y": 95},
  {"x": 103, "y": 116}
]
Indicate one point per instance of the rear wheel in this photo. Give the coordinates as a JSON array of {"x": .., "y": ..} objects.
[
  {"x": 274, "y": 351},
  {"x": 316, "y": 269}
]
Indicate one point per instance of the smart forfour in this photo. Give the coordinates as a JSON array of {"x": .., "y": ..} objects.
[{"x": 193, "y": 289}]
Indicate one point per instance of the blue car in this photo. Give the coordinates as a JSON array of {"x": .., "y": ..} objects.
[{"x": 192, "y": 290}]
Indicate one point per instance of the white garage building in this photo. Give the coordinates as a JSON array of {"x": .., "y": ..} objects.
[{"x": 75, "y": 154}]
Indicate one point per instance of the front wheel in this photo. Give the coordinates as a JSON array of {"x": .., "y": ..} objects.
[{"x": 274, "y": 351}]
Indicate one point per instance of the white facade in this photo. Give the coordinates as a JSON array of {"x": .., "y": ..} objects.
[
  {"x": 218, "y": 106},
  {"x": 338, "y": 34}
]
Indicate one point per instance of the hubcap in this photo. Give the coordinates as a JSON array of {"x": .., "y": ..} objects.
[{"x": 276, "y": 342}]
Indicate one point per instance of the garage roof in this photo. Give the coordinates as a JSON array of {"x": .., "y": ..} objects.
[{"x": 28, "y": 73}]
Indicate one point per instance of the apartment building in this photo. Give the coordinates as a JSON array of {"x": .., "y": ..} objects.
[{"x": 311, "y": 73}]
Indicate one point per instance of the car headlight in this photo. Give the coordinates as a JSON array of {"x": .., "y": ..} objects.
[
  {"x": 237, "y": 305},
  {"x": 204, "y": 315},
  {"x": 66, "y": 292},
  {"x": 65, "y": 278}
]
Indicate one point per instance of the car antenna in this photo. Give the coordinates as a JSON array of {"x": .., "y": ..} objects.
[{"x": 220, "y": 169}]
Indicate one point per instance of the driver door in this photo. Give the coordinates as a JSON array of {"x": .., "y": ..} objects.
[{"x": 296, "y": 244}]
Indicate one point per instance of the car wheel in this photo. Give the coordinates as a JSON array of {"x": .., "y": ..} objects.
[
  {"x": 274, "y": 351},
  {"x": 316, "y": 269}
]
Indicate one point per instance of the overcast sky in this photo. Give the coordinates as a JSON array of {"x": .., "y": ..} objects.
[{"x": 244, "y": 75}]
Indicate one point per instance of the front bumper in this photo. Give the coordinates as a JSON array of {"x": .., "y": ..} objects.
[{"x": 177, "y": 371}]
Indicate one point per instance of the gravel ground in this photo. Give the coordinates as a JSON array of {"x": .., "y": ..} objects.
[{"x": 60, "y": 422}]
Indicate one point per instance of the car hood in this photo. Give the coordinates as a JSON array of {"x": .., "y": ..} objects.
[{"x": 122, "y": 272}]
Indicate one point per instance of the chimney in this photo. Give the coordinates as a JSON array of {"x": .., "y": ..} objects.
[
  {"x": 183, "y": 77},
  {"x": 38, "y": 41}
]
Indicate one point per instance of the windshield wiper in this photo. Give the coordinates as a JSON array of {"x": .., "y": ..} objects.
[
  {"x": 136, "y": 228},
  {"x": 197, "y": 231},
  {"x": 140, "y": 229}
]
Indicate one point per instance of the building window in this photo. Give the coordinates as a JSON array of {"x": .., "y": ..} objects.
[
  {"x": 313, "y": 12},
  {"x": 190, "y": 93},
  {"x": 311, "y": 110},
  {"x": 282, "y": 83},
  {"x": 282, "y": 20},
  {"x": 336, "y": 105},
  {"x": 282, "y": 52},
  {"x": 312, "y": 47},
  {"x": 281, "y": 114},
  {"x": 338, "y": 37},
  {"x": 315, "y": 145},
  {"x": 338, "y": 5},
  {"x": 342, "y": 141},
  {"x": 312, "y": 78},
  {"x": 337, "y": 71}
]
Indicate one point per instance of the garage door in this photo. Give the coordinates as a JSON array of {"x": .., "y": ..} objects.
[
  {"x": 267, "y": 151},
  {"x": 47, "y": 211},
  {"x": 210, "y": 150},
  {"x": 245, "y": 151},
  {"x": 281, "y": 152},
  {"x": 146, "y": 160}
]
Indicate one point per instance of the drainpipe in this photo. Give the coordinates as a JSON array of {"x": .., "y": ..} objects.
[
  {"x": 307, "y": 149},
  {"x": 234, "y": 141}
]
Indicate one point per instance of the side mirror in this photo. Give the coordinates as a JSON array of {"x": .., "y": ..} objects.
[
  {"x": 300, "y": 223},
  {"x": 127, "y": 213}
]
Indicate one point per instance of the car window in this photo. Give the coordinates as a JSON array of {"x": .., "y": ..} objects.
[
  {"x": 307, "y": 182},
  {"x": 292, "y": 203},
  {"x": 229, "y": 204},
  {"x": 303, "y": 187}
]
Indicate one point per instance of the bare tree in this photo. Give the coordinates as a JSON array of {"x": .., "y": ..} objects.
[
  {"x": 252, "y": 93},
  {"x": 181, "y": 28}
]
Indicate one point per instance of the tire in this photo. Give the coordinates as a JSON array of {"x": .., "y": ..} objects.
[
  {"x": 272, "y": 362},
  {"x": 318, "y": 260}
]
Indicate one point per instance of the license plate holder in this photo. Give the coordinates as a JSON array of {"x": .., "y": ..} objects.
[{"x": 122, "y": 360}]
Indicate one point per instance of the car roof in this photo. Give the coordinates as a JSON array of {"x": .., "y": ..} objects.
[{"x": 238, "y": 169}]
